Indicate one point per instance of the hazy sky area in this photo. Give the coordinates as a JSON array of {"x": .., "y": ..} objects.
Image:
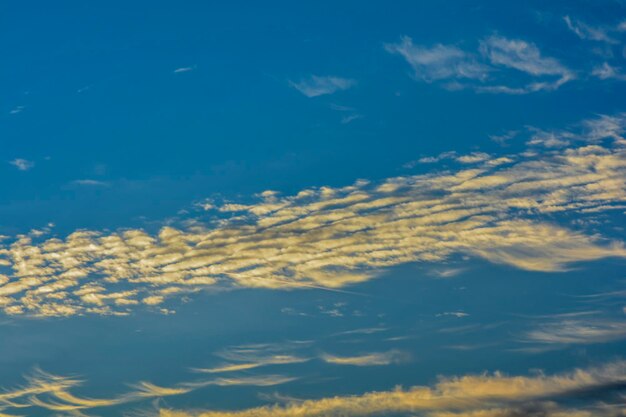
[{"x": 313, "y": 209}]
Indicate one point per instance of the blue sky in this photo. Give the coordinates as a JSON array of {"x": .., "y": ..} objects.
[{"x": 313, "y": 209}]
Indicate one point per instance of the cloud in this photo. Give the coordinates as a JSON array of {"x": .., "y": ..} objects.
[
  {"x": 91, "y": 183},
  {"x": 486, "y": 395},
  {"x": 369, "y": 359},
  {"x": 525, "y": 57},
  {"x": 17, "y": 110},
  {"x": 322, "y": 85},
  {"x": 439, "y": 61},
  {"x": 481, "y": 73},
  {"x": 184, "y": 69},
  {"x": 329, "y": 238},
  {"x": 457, "y": 314},
  {"x": 248, "y": 357},
  {"x": 579, "y": 331},
  {"x": 446, "y": 272},
  {"x": 504, "y": 138},
  {"x": 22, "y": 164},
  {"x": 607, "y": 71},
  {"x": 587, "y": 32},
  {"x": 350, "y": 118},
  {"x": 54, "y": 393},
  {"x": 473, "y": 158}
]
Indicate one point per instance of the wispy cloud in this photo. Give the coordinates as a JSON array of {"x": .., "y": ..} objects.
[
  {"x": 17, "y": 109},
  {"x": 368, "y": 359},
  {"x": 578, "y": 331},
  {"x": 588, "y": 32},
  {"x": 91, "y": 183},
  {"x": 446, "y": 272},
  {"x": 457, "y": 314},
  {"x": 525, "y": 57},
  {"x": 468, "y": 395},
  {"x": 184, "y": 69},
  {"x": 314, "y": 85},
  {"x": 54, "y": 393},
  {"x": 504, "y": 138},
  {"x": 482, "y": 72},
  {"x": 439, "y": 61},
  {"x": 329, "y": 238},
  {"x": 605, "y": 71},
  {"x": 22, "y": 164},
  {"x": 350, "y": 114},
  {"x": 246, "y": 357}
]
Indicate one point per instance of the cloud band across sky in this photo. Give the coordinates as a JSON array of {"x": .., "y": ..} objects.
[
  {"x": 500, "y": 208},
  {"x": 487, "y": 394}
]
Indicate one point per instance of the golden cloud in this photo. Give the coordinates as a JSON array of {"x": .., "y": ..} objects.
[{"x": 498, "y": 208}]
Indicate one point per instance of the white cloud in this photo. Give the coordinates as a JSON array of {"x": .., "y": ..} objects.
[
  {"x": 247, "y": 357},
  {"x": 446, "y": 272},
  {"x": 526, "y": 57},
  {"x": 22, "y": 164},
  {"x": 350, "y": 118},
  {"x": 605, "y": 71},
  {"x": 457, "y": 314},
  {"x": 489, "y": 72},
  {"x": 91, "y": 183},
  {"x": 578, "y": 331},
  {"x": 587, "y": 32},
  {"x": 17, "y": 109},
  {"x": 317, "y": 85},
  {"x": 439, "y": 61},
  {"x": 184, "y": 69},
  {"x": 504, "y": 138}
]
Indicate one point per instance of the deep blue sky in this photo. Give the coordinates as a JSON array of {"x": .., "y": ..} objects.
[{"x": 502, "y": 121}]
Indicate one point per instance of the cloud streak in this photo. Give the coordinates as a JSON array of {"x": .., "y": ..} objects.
[{"x": 369, "y": 359}]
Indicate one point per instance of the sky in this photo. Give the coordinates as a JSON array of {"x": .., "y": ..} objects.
[{"x": 313, "y": 209}]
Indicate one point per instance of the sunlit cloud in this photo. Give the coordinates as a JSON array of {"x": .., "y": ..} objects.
[
  {"x": 578, "y": 331},
  {"x": 471, "y": 395},
  {"x": 54, "y": 393},
  {"x": 488, "y": 206},
  {"x": 369, "y": 359},
  {"x": 486, "y": 395}
]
